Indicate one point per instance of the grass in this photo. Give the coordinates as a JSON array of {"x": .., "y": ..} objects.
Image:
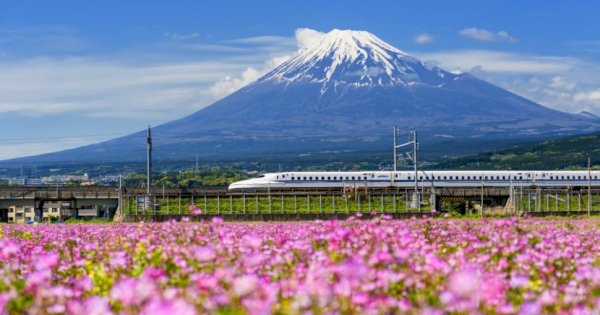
[
  {"x": 280, "y": 204},
  {"x": 286, "y": 204}
]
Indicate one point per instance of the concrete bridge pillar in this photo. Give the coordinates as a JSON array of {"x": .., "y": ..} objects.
[
  {"x": 38, "y": 210},
  {"x": 435, "y": 202},
  {"x": 118, "y": 217},
  {"x": 416, "y": 200}
]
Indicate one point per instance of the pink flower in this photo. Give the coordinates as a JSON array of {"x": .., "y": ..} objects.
[
  {"x": 194, "y": 210},
  {"x": 252, "y": 241},
  {"x": 530, "y": 308},
  {"x": 133, "y": 292},
  {"x": 47, "y": 261},
  {"x": 8, "y": 249},
  {"x": 204, "y": 253},
  {"x": 4, "y": 298},
  {"x": 245, "y": 284},
  {"x": 464, "y": 283},
  {"x": 160, "y": 307},
  {"x": 94, "y": 305},
  {"x": 519, "y": 281},
  {"x": 39, "y": 277},
  {"x": 118, "y": 260}
]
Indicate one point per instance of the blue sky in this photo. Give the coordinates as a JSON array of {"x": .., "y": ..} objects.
[{"x": 78, "y": 72}]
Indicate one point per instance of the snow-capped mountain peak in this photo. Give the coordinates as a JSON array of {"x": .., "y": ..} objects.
[{"x": 356, "y": 58}]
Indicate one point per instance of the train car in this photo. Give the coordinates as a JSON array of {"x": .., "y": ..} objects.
[{"x": 406, "y": 179}]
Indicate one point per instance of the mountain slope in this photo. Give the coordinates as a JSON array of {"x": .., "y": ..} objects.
[
  {"x": 345, "y": 92},
  {"x": 563, "y": 153}
]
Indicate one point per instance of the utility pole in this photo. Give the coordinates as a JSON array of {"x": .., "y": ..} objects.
[
  {"x": 416, "y": 197},
  {"x": 120, "y": 207},
  {"x": 589, "y": 186},
  {"x": 412, "y": 139},
  {"x": 395, "y": 147},
  {"x": 196, "y": 169},
  {"x": 148, "y": 163},
  {"x": 481, "y": 206}
]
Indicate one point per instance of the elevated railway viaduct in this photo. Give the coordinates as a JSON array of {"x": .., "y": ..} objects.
[{"x": 23, "y": 204}]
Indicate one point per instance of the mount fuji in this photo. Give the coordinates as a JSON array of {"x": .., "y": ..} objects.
[{"x": 346, "y": 92}]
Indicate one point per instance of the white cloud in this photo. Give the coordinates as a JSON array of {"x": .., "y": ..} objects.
[
  {"x": 564, "y": 83},
  {"x": 266, "y": 39},
  {"x": 423, "y": 38},
  {"x": 588, "y": 97},
  {"x": 156, "y": 84},
  {"x": 96, "y": 87},
  {"x": 14, "y": 150},
  {"x": 136, "y": 84},
  {"x": 560, "y": 83},
  {"x": 177, "y": 36},
  {"x": 498, "y": 61},
  {"x": 485, "y": 35},
  {"x": 306, "y": 37},
  {"x": 228, "y": 85}
]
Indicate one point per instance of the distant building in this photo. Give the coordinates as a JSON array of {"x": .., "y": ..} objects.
[
  {"x": 63, "y": 179},
  {"x": 26, "y": 213},
  {"x": 25, "y": 181}
]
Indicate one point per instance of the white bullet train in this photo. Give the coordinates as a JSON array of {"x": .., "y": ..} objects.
[{"x": 406, "y": 179}]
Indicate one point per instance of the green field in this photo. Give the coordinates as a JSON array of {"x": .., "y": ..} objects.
[
  {"x": 276, "y": 204},
  {"x": 352, "y": 203}
]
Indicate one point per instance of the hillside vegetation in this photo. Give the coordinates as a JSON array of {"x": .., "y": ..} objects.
[{"x": 564, "y": 153}]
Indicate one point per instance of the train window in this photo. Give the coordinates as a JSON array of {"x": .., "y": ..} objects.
[
  {"x": 578, "y": 177},
  {"x": 304, "y": 178},
  {"x": 468, "y": 177},
  {"x": 352, "y": 177},
  {"x": 444, "y": 177},
  {"x": 408, "y": 177},
  {"x": 328, "y": 177},
  {"x": 485, "y": 177},
  {"x": 503, "y": 177},
  {"x": 463, "y": 177},
  {"x": 521, "y": 177}
]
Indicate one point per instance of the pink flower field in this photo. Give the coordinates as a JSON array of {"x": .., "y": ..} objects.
[{"x": 424, "y": 266}]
